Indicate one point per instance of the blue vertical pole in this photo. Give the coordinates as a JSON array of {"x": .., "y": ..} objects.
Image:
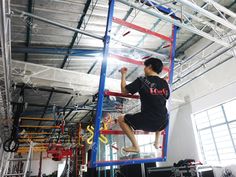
[
  {"x": 172, "y": 64},
  {"x": 102, "y": 82},
  {"x": 171, "y": 74}
]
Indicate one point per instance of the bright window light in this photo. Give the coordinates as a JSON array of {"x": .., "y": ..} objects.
[
  {"x": 110, "y": 150},
  {"x": 109, "y": 156},
  {"x": 230, "y": 110},
  {"x": 216, "y": 133}
]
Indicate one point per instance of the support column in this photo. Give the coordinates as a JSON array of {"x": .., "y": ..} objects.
[{"x": 102, "y": 82}]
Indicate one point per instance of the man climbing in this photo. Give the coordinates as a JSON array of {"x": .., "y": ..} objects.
[{"x": 153, "y": 91}]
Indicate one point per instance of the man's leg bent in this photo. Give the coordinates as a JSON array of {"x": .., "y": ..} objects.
[
  {"x": 129, "y": 132},
  {"x": 157, "y": 139}
]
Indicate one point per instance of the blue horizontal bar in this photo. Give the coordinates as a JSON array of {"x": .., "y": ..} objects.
[
  {"x": 127, "y": 162},
  {"x": 161, "y": 8},
  {"x": 63, "y": 51},
  {"x": 56, "y": 50}
]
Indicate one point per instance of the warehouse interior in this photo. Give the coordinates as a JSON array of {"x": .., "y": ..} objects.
[{"x": 60, "y": 87}]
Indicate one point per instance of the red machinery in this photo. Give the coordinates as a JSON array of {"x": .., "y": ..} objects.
[{"x": 58, "y": 152}]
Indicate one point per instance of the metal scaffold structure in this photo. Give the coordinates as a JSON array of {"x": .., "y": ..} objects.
[
  {"x": 216, "y": 25},
  {"x": 5, "y": 68},
  {"x": 16, "y": 165},
  {"x": 219, "y": 29},
  {"x": 192, "y": 17},
  {"x": 191, "y": 26}
]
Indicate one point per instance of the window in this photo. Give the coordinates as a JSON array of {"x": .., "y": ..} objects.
[
  {"x": 216, "y": 133},
  {"x": 147, "y": 149},
  {"x": 111, "y": 153}
]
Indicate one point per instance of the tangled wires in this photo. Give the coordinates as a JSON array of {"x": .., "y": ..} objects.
[{"x": 12, "y": 144}]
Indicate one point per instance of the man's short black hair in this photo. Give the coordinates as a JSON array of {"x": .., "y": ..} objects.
[{"x": 155, "y": 63}]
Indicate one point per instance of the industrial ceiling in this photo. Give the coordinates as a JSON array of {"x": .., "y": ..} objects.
[{"x": 51, "y": 64}]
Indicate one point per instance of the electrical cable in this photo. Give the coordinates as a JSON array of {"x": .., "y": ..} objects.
[{"x": 12, "y": 144}]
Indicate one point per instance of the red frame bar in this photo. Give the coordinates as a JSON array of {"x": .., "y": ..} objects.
[
  {"x": 126, "y": 59},
  {"x": 108, "y": 93},
  {"x": 132, "y": 61},
  {"x": 141, "y": 29},
  {"x": 120, "y": 132}
]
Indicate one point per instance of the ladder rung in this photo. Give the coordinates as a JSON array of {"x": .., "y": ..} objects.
[
  {"x": 35, "y": 133},
  {"x": 18, "y": 159},
  {"x": 40, "y": 126},
  {"x": 19, "y": 174},
  {"x": 38, "y": 119}
]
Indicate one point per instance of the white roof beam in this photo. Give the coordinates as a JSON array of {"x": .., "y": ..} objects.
[
  {"x": 161, "y": 56},
  {"x": 195, "y": 17},
  {"x": 177, "y": 23},
  {"x": 221, "y": 8},
  {"x": 208, "y": 14}
]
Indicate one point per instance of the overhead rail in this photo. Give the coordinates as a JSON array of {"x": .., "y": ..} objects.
[
  {"x": 59, "y": 24},
  {"x": 56, "y": 50}
]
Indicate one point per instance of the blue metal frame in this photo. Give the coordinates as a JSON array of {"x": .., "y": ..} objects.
[
  {"x": 161, "y": 8},
  {"x": 128, "y": 162},
  {"x": 171, "y": 75},
  {"x": 164, "y": 158},
  {"x": 102, "y": 83},
  {"x": 93, "y": 162},
  {"x": 174, "y": 35}
]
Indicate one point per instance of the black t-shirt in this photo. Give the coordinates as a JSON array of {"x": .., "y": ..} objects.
[{"x": 153, "y": 91}]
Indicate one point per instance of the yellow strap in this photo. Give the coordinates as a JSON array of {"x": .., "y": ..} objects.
[
  {"x": 90, "y": 139},
  {"x": 102, "y": 138}
]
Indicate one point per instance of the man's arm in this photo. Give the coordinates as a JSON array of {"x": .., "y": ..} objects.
[{"x": 123, "y": 80}]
